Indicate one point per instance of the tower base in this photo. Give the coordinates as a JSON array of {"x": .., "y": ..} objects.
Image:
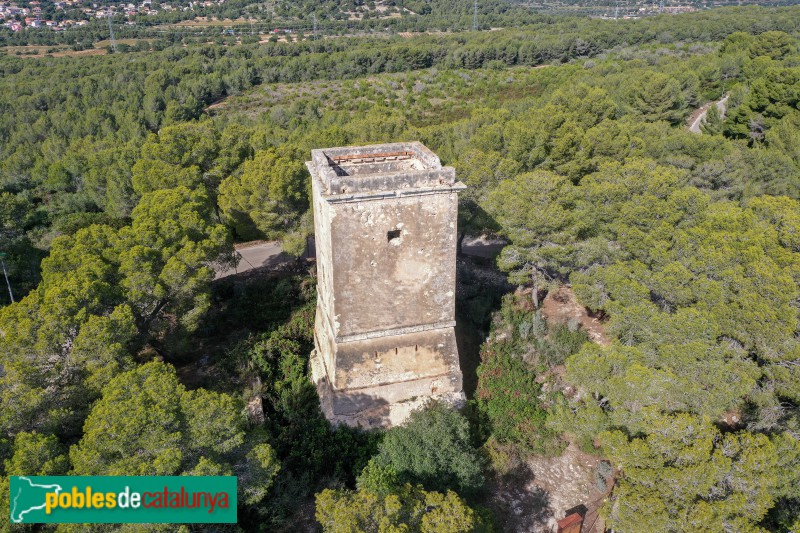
[{"x": 385, "y": 405}]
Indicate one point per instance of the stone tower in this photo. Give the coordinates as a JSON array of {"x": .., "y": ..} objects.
[{"x": 385, "y": 222}]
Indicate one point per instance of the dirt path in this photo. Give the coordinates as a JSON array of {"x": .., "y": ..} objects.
[
  {"x": 696, "y": 119},
  {"x": 482, "y": 246},
  {"x": 256, "y": 254}
]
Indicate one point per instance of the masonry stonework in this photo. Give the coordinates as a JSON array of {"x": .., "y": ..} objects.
[{"x": 385, "y": 232}]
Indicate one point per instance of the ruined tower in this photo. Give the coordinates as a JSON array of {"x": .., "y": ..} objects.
[{"x": 385, "y": 223}]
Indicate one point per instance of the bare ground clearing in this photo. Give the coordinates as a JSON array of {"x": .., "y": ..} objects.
[
  {"x": 561, "y": 306},
  {"x": 539, "y": 491}
]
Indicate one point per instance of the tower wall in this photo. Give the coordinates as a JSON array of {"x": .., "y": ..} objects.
[{"x": 381, "y": 283}]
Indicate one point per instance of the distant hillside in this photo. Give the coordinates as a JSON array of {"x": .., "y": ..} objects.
[{"x": 639, "y": 8}]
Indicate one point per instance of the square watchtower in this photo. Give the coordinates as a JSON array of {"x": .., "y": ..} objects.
[{"x": 385, "y": 230}]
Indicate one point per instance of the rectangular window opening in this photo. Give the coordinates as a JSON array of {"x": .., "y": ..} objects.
[{"x": 392, "y": 235}]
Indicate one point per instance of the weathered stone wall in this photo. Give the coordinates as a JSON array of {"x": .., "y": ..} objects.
[
  {"x": 382, "y": 283},
  {"x": 324, "y": 326},
  {"x": 395, "y": 358}
]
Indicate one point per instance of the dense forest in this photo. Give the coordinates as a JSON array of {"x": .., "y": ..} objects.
[{"x": 126, "y": 179}]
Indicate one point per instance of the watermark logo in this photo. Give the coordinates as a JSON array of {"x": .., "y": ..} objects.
[{"x": 122, "y": 499}]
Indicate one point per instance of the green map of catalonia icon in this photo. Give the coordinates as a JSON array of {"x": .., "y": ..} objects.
[{"x": 27, "y": 497}]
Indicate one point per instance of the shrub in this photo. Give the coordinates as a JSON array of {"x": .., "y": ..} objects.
[
  {"x": 561, "y": 342},
  {"x": 434, "y": 449},
  {"x": 508, "y": 395}
]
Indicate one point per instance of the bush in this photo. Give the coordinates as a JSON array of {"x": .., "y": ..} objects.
[
  {"x": 409, "y": 509},
  {"x": 602, "y": 474},
  {"x": 502, "y": 458},
  {"x": 562, "y": 341},
  {"x": 434, "y": 449},
  {"x": 508, "y": 395},
  {"x": 311, "y": 452}
]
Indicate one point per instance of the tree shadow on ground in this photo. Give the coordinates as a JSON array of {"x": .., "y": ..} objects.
[
  {"x": 243, "y": 306},
  {"x": 517, "y": 503},
  {"x": 479, "y": 292}
]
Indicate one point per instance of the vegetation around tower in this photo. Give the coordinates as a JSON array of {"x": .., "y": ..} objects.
[{"x": 126, "y": 180}]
